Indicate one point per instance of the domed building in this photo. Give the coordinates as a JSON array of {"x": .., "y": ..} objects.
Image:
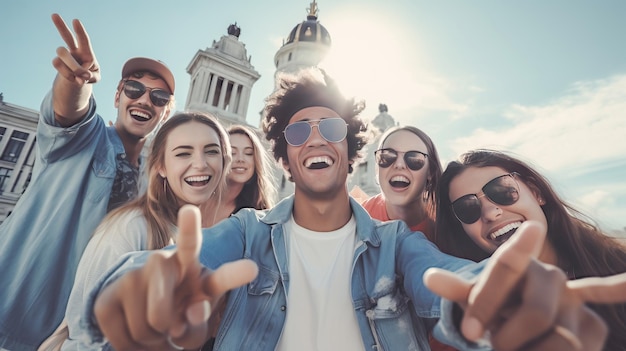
[{"x": 306, "y": 46}]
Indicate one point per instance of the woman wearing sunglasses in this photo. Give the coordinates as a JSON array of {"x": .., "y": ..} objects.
[
  {"x": 188, "y": 163},
  {"x": 408, "y": 171},
  {"x": 486, "y": 195}
]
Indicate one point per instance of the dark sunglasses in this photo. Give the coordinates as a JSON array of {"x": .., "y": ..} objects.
[
  {"x": 502, "y": 190},
  {"x": 415, "y": 160},
  {"x": 134, "y": 90},
  {"x": 333, "y": 130}
]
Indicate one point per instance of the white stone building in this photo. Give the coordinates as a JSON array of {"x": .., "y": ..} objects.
[{"x": 18, "y": 127}]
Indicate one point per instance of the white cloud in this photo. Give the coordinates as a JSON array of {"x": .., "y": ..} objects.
[{"x": 587, "y": 125}]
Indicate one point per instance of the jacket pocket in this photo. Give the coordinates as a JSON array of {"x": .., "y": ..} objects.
[
  {"x": 101, "y": 178},
  {"x": 265, "y": 283}
]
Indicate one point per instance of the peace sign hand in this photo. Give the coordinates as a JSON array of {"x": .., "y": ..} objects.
[
  {"x": 165, "y": 305},
  {"x": 76, "y": 62}
]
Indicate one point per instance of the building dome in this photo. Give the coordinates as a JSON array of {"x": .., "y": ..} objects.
[{"x": 310, "y": 30}]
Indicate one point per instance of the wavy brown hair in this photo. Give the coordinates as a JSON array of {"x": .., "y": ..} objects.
[
  {"x": 582, "y": 249},
  {"x": 259, "y": 192},
  {"x": 159, "y": 204}
]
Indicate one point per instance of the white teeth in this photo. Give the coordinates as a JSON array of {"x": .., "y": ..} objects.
[
  {"x": 507, "y": 228},
  {"x": 318, "y": 159},
  {"x": 140, "y": 114},
  {"x": 400, "y": 179},
  {"x": 197, "y": 178}
]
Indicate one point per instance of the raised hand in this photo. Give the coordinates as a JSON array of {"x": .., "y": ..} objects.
[
  {"x": 165, "y": 305},
  {"x": 76, "y": 62},
  {"x": 527, "y": 305}
]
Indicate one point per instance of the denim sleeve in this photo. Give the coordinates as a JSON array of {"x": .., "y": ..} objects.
[
  {"x": 55, "y": 141},
  {"x": 446, "y": 330},
  {"x": 416, "y": 255}
]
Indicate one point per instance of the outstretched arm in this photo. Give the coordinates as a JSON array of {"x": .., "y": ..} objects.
[
  {"x": 168, "y": 301},
  {"x": 527, "y": 305},
  {"x": 77, "y": 68}
]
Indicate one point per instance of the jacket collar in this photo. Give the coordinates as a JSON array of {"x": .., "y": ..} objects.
[{"x": 365, "y": 226}]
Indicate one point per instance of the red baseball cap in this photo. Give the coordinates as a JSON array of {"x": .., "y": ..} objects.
[{"x": 157, "y": 67}]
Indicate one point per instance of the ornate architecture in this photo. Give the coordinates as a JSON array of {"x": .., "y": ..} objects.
[
  {"x": 17, "y": 153},
  {"x": 222, "y": 77}
]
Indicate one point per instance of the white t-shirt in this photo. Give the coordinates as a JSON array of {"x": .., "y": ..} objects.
[{"x": 320, "y": 314}]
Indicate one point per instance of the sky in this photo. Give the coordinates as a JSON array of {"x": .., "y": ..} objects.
[{"x": 544, "y": 80}]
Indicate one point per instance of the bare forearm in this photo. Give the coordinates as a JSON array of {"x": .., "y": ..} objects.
[{"x": 70, "y": 100}]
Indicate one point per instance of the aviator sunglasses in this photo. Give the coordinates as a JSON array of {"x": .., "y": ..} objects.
[
  {"x": 332, "y": 130},
  {"x": 414, "y": 160},
  {"x": 134, "y": 90},
  {"x": 502, "y": 190}
]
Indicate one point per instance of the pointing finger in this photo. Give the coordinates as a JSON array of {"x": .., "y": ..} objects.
[
  {"x": 230, "y": 276},
  {"x": 189, "y": 239},
  {"x": 611, "y": 289},
  {"x": 447, "y": 285}
]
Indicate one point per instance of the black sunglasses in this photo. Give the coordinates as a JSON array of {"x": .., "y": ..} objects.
[
  {"x": 332, "y": 130},
  {"x": 502, "y": 190},
  {"x": 415, "y": 160},
  {"x": 134, "y": 90}
]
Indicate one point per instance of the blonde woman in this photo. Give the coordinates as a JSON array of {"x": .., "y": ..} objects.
[{"x": 188, "y": 163}]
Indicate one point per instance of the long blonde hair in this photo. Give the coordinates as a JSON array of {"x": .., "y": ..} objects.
[{"x": 160, "y": 205}]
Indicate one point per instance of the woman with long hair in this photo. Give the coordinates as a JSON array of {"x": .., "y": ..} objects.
[
  {"x": 485, "y": 196},
  {"x": 188, "y": 162},
  {"x": 249, "y": 181}
]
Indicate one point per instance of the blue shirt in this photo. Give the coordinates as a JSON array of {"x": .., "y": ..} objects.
[
  {"x": 388, "y": 265},
  {"x": 44, "y": 237}
]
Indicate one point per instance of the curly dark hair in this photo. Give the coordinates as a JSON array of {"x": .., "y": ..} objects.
[{"x": 308, "y": 88}]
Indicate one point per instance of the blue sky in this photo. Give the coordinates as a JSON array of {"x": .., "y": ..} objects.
[{"x": 543, "y": 79}]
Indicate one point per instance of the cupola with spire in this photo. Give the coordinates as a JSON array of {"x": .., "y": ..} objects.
[{"x": 306, "y": 46}]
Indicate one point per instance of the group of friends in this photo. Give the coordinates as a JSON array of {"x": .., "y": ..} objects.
[{"x": 105, "y": 249}]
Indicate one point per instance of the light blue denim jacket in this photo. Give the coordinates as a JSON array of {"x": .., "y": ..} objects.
[
  {"x": 44, "y": 238},
  {"x": 394, "y": 308}
]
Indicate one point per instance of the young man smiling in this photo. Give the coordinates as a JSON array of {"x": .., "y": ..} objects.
[
  {"x": 83, "y": 170},
  {"x": 318, "y": 273}
]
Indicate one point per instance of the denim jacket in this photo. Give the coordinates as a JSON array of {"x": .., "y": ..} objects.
[
  {"x": 394, "y": 308},
  {"x": 43, "y": 239}
]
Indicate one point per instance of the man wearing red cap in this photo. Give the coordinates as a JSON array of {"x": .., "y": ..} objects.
[{"x": 83, "y": 170}]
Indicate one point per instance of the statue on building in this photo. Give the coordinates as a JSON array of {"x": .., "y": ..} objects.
[
  {"x": 383, "y": 120},
  {"x": 233, "y": 29}
]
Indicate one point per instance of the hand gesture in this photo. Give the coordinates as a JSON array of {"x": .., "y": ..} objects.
[
  {"x": 165, "y": 305},
  {"x": 76, "y": 62},
  {"x": 527, "y": 305}
]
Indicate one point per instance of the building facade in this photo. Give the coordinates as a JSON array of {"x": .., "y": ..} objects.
[{"x": 18, "y": 127}]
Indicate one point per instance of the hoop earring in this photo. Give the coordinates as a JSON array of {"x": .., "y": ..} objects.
[{"x": 164, "y": 185}]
